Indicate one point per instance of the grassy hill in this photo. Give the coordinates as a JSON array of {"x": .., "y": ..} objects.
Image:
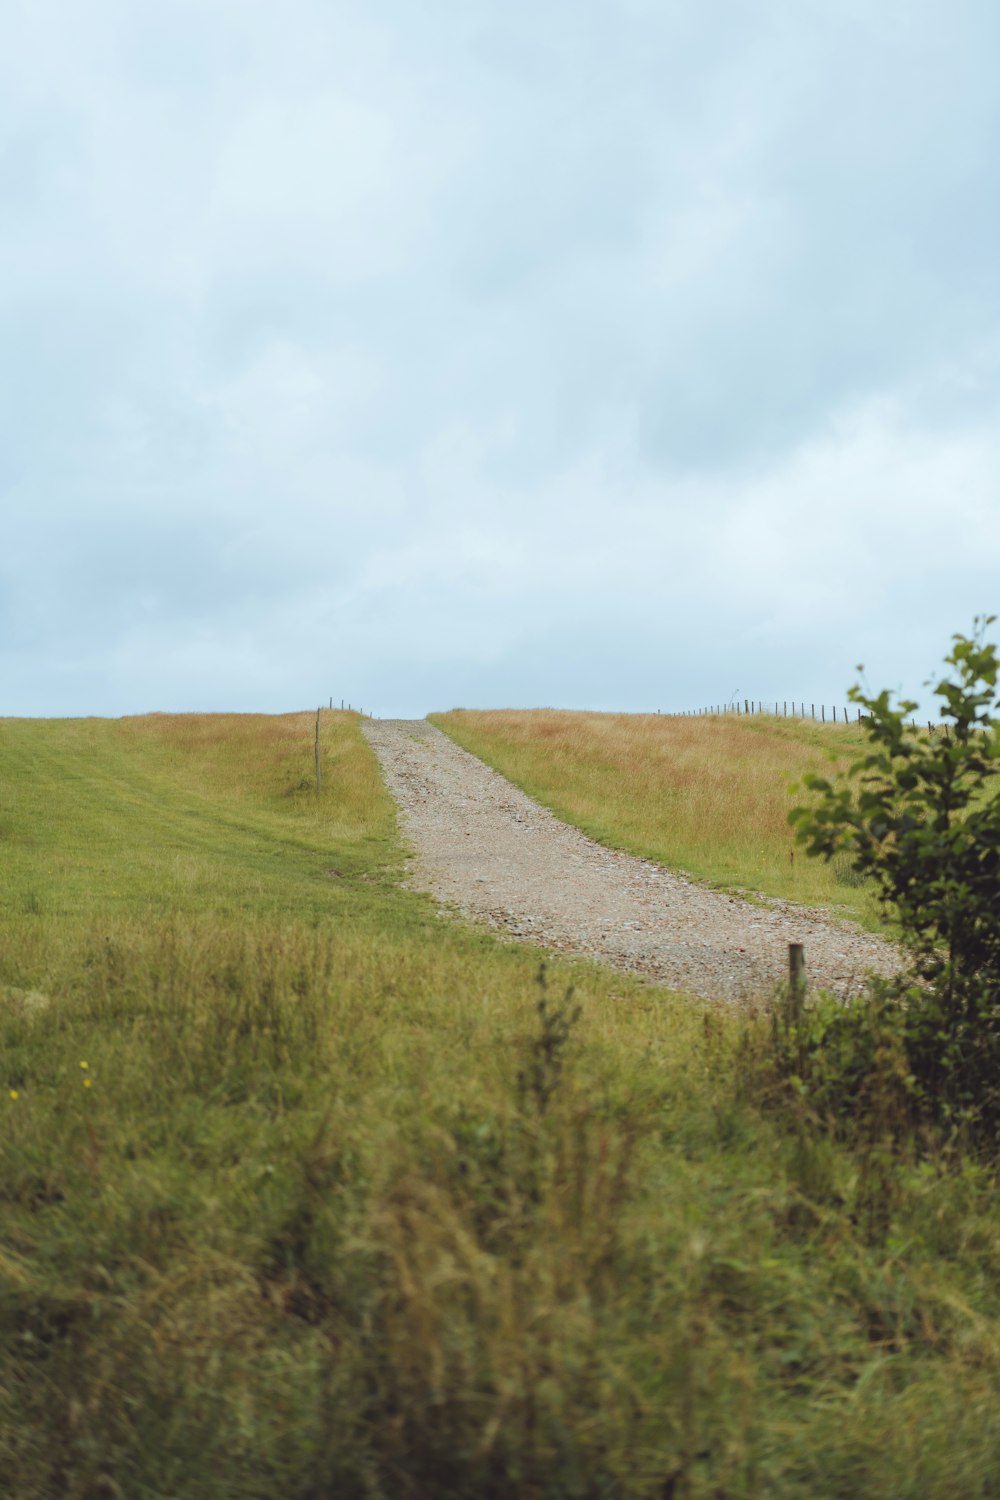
[
  {"x": 709, "y": 796},
  {"x": 302, "y": 1194}
]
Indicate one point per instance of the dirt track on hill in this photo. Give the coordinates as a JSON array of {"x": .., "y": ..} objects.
[{"x": 484, "y": 847}]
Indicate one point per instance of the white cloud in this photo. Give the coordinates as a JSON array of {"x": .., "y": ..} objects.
[{"x": 603, "y": 353}]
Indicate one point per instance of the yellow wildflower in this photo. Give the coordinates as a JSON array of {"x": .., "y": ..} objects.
[
  {"x": 85, "y": 1065},
  {"x": 87, "y": 1082},
  {"x": 14, "y": 1094}
]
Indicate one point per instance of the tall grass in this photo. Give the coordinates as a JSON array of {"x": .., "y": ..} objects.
[
  {"x": 306, "y": 1192},
  {"x": 709, "y": 796}
]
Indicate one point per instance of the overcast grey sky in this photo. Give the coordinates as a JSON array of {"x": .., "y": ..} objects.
[{"x": 595, "y": 353}]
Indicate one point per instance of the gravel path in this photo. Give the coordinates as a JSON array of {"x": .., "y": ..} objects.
[{"x": 486, "y": 848}]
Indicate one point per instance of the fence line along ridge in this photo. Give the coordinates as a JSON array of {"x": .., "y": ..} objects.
[{"x": 787, "y": 709}]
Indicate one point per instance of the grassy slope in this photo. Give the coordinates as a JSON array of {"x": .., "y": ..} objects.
[
  {"x": 176, "y": 813},
  {"x": 306, "y": 1233},
  {"x": 706, "y": 795}
]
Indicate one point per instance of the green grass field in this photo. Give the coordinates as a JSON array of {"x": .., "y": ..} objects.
[
  {"x": 709, "y": 796},
  {"x": 301, "y": 1197}
]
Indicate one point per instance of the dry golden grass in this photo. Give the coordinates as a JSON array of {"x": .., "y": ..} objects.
[
  {"x": 241, "y": 756},
  {"x": 709, "y": 796}
]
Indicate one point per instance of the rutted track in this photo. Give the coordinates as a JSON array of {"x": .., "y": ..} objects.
[{"x": 486, "y": 848}]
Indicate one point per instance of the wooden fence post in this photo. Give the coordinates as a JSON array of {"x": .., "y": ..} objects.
[{"x": 796, "y": 977}]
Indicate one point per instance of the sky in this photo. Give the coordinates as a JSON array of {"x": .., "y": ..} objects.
[{"x": 608, "y": 354}]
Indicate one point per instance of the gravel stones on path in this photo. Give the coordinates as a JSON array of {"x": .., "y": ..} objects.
[{"x": 486, "y": 848}]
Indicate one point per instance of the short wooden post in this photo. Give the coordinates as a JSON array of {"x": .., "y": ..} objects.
[
  {"x": 796, "y": 977},
  {"x": 813, "y": 707},
  {"x": 317, "y": 751}
]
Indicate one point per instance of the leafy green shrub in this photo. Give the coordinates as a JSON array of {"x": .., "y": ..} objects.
[{"x": 918, "y": 816}]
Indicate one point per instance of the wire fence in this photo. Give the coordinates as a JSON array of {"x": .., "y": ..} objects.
[
  {"x": 819, "y": 713},
  {"x": 365, "y": 713}
]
